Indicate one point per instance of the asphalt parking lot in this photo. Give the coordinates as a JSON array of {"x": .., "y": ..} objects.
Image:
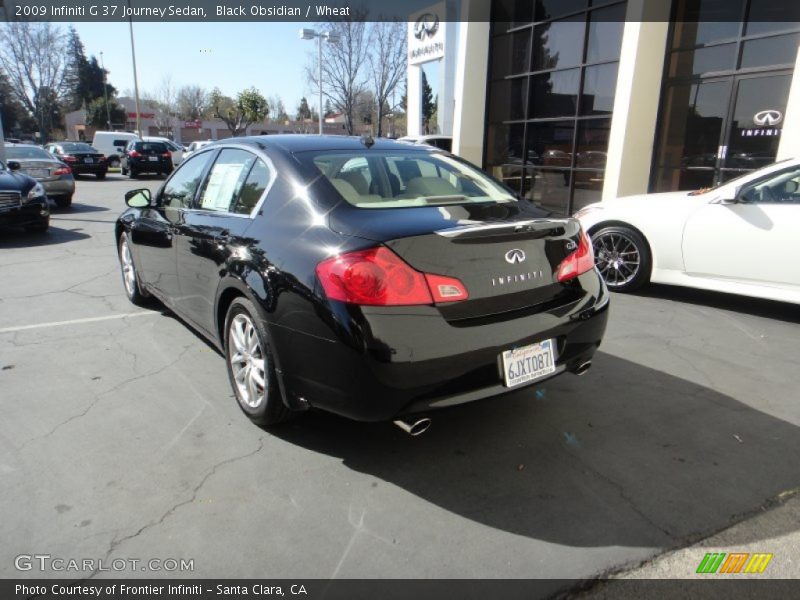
[{"x": 120, "y": 439}]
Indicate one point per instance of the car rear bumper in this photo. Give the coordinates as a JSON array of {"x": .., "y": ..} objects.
[
  {"x": 146, "y": 166},
  {"x": 64, "y": 186},
  {"x": 411, "y": 360},
  {"x": 80, "y": 169}
]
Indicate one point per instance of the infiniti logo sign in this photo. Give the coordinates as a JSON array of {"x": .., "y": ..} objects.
[
  {"x": 515, "y": 256},
  {"x": 426, "y": 26},
  {"x": 768, "y": 117}
]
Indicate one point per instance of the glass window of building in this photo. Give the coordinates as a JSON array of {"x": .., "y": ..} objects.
[
  {"x": 549, "y": 106},
  {"x": 726, "y": 84}
]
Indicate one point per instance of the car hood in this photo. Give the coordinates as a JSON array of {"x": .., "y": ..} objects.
[{"x": 15, "y": 182}]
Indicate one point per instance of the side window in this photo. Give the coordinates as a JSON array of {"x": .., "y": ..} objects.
[
  {"x": 180, "y": 189},
  {"x": 253, "y": 188},
  {"x": 778, "y": 188},
  {"x": 122, "y": 143},
  {"x": 226, "y": 179}
]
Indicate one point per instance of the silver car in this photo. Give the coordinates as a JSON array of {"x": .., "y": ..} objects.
[{"x": 54, "y": 175}]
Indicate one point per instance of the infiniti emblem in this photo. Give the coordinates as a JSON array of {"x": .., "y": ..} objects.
[
  {"x": 768, "y": 117},
  {"x": 515, "y": 256},
  {"x": 426, "y": 26}
]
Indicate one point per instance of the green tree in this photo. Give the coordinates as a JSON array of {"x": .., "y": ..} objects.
[
  {"x": 84, "y": 77},
  {"x": 247, "y": 108},
  {"x": 97, "y": 116},
  {"x": 428, "y": 102},
  {"x": 303, "y": 110}
]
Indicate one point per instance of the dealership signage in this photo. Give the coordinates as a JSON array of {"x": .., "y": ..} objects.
[
  {"x": 426, "y": 35},
  {"x": 765, "y": 120}
]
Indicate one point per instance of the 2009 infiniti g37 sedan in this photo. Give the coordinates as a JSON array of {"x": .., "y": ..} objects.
[{"x": 370, "y": 278}]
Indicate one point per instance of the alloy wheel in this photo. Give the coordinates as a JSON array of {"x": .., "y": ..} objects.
[
  {"x": 128, "y": 270},
  {"x": 248, "y": 361},
  {"x": 617, "y": 258}
]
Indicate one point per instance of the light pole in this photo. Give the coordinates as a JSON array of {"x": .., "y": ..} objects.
[
  {"x": 135, "y": 77},
  {"x": 105, "y": 92},
  {"x": 310, "y": 34}
]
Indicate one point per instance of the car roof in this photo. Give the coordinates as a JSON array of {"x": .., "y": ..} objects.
[{"x": 302, "y": 143}]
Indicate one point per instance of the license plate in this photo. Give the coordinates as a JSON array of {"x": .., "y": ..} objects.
[
  {"x": 152, "y": 158},
  {"x": 528, "y": 363},
  {"x": 38, "y": 173},
  {"x": 88, "y": 161}
]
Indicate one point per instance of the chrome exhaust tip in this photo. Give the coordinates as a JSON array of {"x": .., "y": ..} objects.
[
  {"x": 415, "y": 427},
  {"x": 583, "y": 368}
]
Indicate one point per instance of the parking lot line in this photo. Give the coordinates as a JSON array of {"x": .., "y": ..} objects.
[{"x": 78, "y": 321}]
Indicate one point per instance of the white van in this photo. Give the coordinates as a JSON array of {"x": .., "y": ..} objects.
[
  {"x": 174, "y": 147},
  {"x": 112, "y": 144}
]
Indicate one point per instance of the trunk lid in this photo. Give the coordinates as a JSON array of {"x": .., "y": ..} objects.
[{"x": 505, "y": 254}]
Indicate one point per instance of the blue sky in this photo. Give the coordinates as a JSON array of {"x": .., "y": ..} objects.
[{"x": 231, "y": 56}]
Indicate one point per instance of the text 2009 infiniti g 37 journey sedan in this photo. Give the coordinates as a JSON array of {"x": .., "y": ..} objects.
[{"x": 373, "y": 279}]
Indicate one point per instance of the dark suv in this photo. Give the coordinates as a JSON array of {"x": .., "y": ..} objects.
[{"x": 146, "y": 157}]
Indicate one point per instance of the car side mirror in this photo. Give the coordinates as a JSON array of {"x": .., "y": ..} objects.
[
  {"x": 138, "y": 198},
  {"x": 13, "y": 165}
]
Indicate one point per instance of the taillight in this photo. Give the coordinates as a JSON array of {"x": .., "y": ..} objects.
[
  {"x": 68, "y": 158},
  {"x": 579, "y": 262},
  {"x": 102, "y": 158},
  {"x": 378, "y": 277},
  {"x": 134, "y": 154},
  {"x": 167, "y": 155},
  {"x": 62, "y": 171}
]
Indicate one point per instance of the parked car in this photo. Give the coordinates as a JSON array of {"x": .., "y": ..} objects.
[
  {"x": 112, "y": 144},
  {"x": 23, "y": 201},
  {"x": 54, "y": 175},
  {"x": 194, "y": 147},
  {"x": 376, "y": 293},
  {"x": 740, "y": 237},
  {"x": 146, "y": 157},
  {"x": 174, "y": 147},
  {"x": 81, "y": 158},
  {"x": 445, "y": 142}
]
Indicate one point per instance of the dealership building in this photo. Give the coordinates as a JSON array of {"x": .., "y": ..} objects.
[{"x": 574, "y": 101}]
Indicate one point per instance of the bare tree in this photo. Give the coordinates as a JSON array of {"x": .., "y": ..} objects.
[
  {"x": 34, "y": 58},
  {"x": 387, "y": 64},
  {"x": 164, "y": 103},
  {"x": 343, "y": 63},
  {"x": 191, "y": 102}
]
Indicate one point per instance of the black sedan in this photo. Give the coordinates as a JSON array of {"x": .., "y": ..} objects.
[
  {"x": 373, "y": 279},
  {"x": 81, "y": 157},
  {"x": 23, "y": 201}
]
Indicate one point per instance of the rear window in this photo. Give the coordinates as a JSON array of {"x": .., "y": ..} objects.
[
  {"x": 77, "y": 148},
  {"x": 397, "y": 179},
  {"x": 22, "y": 152},
  {"x": 156, "y": 147}
]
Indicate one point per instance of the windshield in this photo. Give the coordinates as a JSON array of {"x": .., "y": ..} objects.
[
  {"x": 17, "y": 152},
  {"x": 398, "y": 179},
  {"x": 77, "y": 148}
]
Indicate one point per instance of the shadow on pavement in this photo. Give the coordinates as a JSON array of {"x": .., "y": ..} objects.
[
  {"x": 769, "y": 309},
  {"x": 77, "y": 208},
  {"x": 625, "y": 456},
  {"x": 19, "y": 238}
]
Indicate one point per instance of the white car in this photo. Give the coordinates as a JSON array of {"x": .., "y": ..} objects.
[
  {"x": 195, "y": 146},
  {"x": 742, "y": 237}
]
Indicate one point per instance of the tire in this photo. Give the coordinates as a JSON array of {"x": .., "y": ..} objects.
[
  {"x": 130, "y": 277},
  {"x": 623, "y": 257},
  {"x": 100, "y": 176},
  {"x": 123, "y": 171},
  {"x": 64, "y": 201},
  {"x": 263, "y": 404},
  {"x": 133, "y": 174},
  {"x": 114, "y": 162},
  {"x": 39, "y": 227}
]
